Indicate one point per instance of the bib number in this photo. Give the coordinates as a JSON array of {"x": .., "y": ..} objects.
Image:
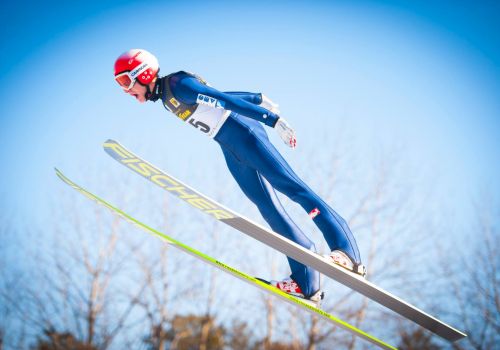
[{"x": 199, "y": 125}]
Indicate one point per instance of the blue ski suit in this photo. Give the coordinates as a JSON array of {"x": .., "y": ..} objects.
[{"x": 234, "y": 120}]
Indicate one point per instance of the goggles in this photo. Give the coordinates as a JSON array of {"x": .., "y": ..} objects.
[
  {"x": 127, "y": 79},
  {"x": 124, "y": 80}
]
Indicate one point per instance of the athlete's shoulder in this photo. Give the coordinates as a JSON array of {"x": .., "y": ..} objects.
[
  {"x": 176, "y": 76},
  {"x": 184, "y": 78},
  {"x": 182, "y": 74}
]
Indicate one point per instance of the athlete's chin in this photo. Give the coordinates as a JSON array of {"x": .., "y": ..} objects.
[{"x": 139, "y": 98}]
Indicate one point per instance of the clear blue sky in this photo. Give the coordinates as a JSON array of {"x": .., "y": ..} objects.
[{"x": 423, "y": 75}]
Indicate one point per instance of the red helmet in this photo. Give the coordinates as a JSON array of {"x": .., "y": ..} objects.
[{"x": 136, "y": 65}]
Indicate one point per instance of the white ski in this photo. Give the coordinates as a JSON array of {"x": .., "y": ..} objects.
[{"x": 276, "y": 241}]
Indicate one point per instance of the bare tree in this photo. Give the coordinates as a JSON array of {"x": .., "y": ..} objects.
[
  {"x": 176, "y": 282},
  {"x": 12, "y": 331},
  {"x": 167, "y": 277},
  {"x": 471, "y": 277},
  {"x": 208, "y": 323},
  {"x": 73, "y": 290},
  {"x": 154, "y": 302}
]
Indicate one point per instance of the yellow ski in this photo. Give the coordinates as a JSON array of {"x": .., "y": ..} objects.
[{"x": 232, "y": 271}]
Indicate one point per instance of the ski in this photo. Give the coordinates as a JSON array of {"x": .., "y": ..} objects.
[
  {"x": 276, "y": 241},
  {"x": 228, "y": 269}
]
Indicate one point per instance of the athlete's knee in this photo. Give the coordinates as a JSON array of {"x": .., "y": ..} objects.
[
  {"x": 291, "y": 187},
  {"x": 299, "y": 192}
]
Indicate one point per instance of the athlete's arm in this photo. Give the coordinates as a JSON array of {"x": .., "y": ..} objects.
[
  {"x": 190, "y": 91},
  {"x": 257, "y": 99},
  {"x": 252, "y": 97}
]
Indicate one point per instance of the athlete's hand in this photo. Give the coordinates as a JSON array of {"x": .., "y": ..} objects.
[
  {"x": 286, "y": 132},
  {"x": 269, "y": 105}
]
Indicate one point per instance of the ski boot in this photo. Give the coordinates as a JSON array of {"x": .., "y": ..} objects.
[
  {"x": 291, "y": 287},
  {"x": 340, "y": 258}
]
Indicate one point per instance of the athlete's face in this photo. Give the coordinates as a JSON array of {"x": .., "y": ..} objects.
[{"x": 138, "y": 91}]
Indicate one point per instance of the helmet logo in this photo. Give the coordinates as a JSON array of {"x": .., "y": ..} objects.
[
  {"x": 138, "y": 70},
  {"x": 134, "y": 57}
]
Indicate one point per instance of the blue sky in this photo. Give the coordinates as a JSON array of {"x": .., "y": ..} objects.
[
  {"x": 418, "y": 76},
  {"x": 417, "y": 82}
]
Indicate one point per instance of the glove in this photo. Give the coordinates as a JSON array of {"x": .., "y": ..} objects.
[
  {"x": 269, "y": 105},
  {"x": 286, "y": 133}
]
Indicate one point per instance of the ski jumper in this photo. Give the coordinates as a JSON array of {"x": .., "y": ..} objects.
[{"x": 234, "y": 120}]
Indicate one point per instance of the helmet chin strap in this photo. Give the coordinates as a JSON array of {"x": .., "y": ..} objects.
[
  {"x": 148, "y": 93},
  {"x": 156, "y": 93}
]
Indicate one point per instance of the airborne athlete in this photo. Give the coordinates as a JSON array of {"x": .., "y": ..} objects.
[{"x": 234, "y": 120}]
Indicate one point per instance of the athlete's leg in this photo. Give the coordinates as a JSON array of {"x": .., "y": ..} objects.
[
  {"x": 260, "y": 192},
  {"x": 260, "y": 154}
]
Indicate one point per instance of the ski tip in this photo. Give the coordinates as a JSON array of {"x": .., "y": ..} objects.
[
  {"x": 109, "y": 141},
  {"x": 60, "y": 174},
  {"x": 63, "y": 177}
]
